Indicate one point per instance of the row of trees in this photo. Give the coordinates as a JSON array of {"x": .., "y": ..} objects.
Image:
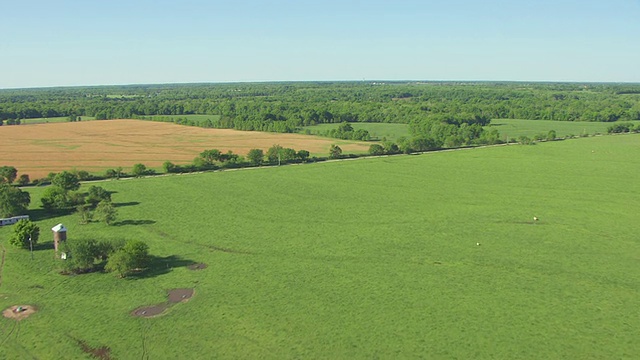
[
  {"x": 623, "y": 128},
  {"x": 285, "y": 107}
]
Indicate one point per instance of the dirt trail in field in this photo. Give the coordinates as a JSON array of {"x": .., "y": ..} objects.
[
  {"x": 95, "y": 146},
  {"x": 2, "y": 263}
]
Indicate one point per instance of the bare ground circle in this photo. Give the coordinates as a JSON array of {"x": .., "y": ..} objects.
[
  {"x": 19, "y": 312},
  {"x": 149, "y": 311},
  {"x": 180, "y": 295},
  {"x": 197, "y": 266}
]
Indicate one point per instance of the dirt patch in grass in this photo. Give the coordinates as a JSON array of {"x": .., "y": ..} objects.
[
  {"x": 174, "y": 296},
  {"x": 197, "y": 266},
  {"x": 102, "y": 353},
  {"x": 95, "y": 146},
  {"x": 180, "y": 295},
  {"x": 149, "y": 311},
  {"x": 19, "y": 312}
]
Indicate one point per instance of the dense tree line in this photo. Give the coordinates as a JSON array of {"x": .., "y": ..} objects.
[{"x": 284, "y": 107}]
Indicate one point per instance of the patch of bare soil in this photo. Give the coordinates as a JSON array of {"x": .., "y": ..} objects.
[
  {"x": 149, "y": 311},
  {"x": 197, "y": 266},
  {"x": 102, "y": 353},
  {"x": 174, "y": 296},
  {"x": 180, "y": 295},
  {"x": 19, "y": 312}
]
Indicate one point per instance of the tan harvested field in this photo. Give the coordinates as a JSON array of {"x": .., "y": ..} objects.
[{"x": 95, "y": 146}]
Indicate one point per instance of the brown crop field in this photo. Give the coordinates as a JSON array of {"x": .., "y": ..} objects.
[{"x": 95, "y": 146}]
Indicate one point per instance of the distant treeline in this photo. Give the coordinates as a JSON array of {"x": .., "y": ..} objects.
[{"x": 284, "y": 107}]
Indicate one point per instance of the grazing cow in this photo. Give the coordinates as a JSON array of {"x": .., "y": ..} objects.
[{"x": 535, "y": 218}]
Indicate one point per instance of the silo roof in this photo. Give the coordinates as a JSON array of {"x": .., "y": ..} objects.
[{"x": 59, "y": 228}]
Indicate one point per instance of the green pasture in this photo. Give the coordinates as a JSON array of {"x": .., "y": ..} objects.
[
  {"x": 197, "y": 119},
  {"x": 53, "y": 120},
  {"x": 367, "y": 258},
  {"x": 508, "y": 128},
  {"x": 513, "y": 128},
  {"x": 378, "y": 131}
]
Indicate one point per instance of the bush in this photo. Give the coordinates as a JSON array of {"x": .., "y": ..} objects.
[
  {"x": 23, "y": 180},
  {"x": 55, "y": 197},
  {"x": 335, "y": 152},
  {"x": 96, "y": 194},
  {"x": 376, "y": 149},
  {"x": 133, "y": 256},
  {"x": 139, "y": 170},
  {"x": 106, "y": 212},
  {"x": 66, "y": 181},
  {"x": 13, "y": 201},
  {"x": 23, "y": 230}
]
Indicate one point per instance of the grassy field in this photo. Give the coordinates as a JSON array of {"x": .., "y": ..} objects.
[
  {"x": 377, "y": 130},
  {"x": 371, "y": 258},
  {"x": 53, "y": 120},
  {"x": 512, "y": 128},
  {"x": 95, "y": 146},
  {"x": 508, "y": 128}
]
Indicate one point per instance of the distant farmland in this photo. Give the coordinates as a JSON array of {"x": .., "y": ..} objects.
[{"x": 99, "y": 145}]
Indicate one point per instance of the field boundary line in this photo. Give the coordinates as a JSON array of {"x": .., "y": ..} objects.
[{"x": 2, "y": 263}]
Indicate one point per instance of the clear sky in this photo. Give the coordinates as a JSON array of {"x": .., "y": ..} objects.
[{"x": 100, "y": 42}]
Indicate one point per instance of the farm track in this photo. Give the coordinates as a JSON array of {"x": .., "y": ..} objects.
[
  {"x": 2, "y": 263},
  {"x": 143, "y": 334}
]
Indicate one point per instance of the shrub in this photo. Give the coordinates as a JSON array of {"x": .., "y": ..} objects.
[
  {"x": 66, "y": 181},
  {"x": 96, "y": 194},
  {"x": 376, "y": 149},
  {"x": 106, "y": 212},
  {"x": 139, "y": 170},
  {"x": 55, "y": 197},
  {"x": 23, "y": 230},
  {"x": 23, "y": 180},
  {"x": 134, "y": 255}
]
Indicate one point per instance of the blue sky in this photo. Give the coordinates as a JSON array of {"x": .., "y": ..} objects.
[{"x": 87, "y": 42}]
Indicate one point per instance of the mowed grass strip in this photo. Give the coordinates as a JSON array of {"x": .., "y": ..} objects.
[
  {"x": 98, "y": 145},
  {"x": 362, "y": 259},
  {"x": 513, "y": 128}
]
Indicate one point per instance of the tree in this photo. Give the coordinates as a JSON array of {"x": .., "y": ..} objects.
[
  {"x": 551, "y": 135},
  {"x": 97, "y": 194},
  {"x": 210, "y": 156},
  {"x": 13, "y": 201},
  {"x": 335, "y": 152},
  {"x": 169, "y": 167},
  {"x": 303, "y": 155},
  {"x": 8, "y": 174},
  {"x": 84, "y": 213},
  {"x": 139, "y": 170},
  {"x": 255, "y": 156},
  {"x": 83, "y": 254},
  {"x": 376, "y": 149},
  {"x": 55, "y": 198},
  {"x": 274, "y": 154},
  {"x": 134, "y": 255},
  {"x": 106, "y": 212},
  {"x": 66, "y": 180},
  {"x": 23, "y": 230},
  {"x": 139, "y": 251},
  {"x": 23, "y": 180},
  {"x": 120, "y": 262}
]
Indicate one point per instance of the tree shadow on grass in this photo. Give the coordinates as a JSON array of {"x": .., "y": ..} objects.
[
  {"x": 134, "y": 222},
  {"x": 42, "y": 214},
  {"x": 130, "y": 203},
  {"x": 159, "y": 265},
  {"x": 43, "y": 246}
]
